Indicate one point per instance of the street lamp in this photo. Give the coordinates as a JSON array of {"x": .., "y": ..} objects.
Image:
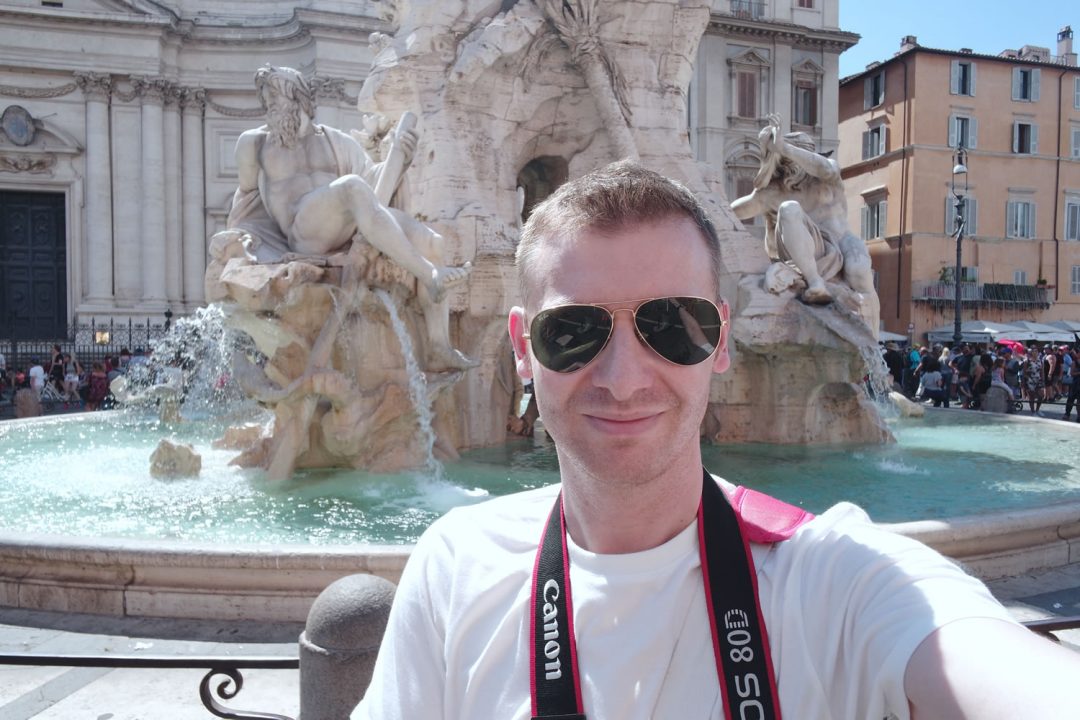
[{"x": 959, "y": 191}]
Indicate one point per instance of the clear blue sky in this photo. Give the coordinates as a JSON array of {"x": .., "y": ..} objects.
[{"x": 985, "y": 26}]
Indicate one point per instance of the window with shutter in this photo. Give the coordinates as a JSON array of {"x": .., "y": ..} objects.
[
  {"x": 747, "y": 99},
  {"x": 1025, "y": 138},
  {"x": 1072, "y": 221},
  {"x": 1074, "y": 286},
  {"x": 874, "y": 142},
  {"x": 1076, "y": 92},
  {"x": 962, "y": 131},
  {"x": 1019, "y": 277},
  {"x": 1076, "y": 142},
  {"x": 962, "y": 80},
  {"x": 1025, "y": 84},
  {"x": 874, "y": 90},
  {"x": 805, "y": 103},
  {"x": 1020, "y": 219}
]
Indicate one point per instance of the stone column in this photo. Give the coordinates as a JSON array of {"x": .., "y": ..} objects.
[
  {"x": 193, "y": 104},
  {"x": 174, "y": 250},
  {"x": 152, "y": 225},
  {"x": 127, "y": 198},
  {"x": 98, "y": 259}
]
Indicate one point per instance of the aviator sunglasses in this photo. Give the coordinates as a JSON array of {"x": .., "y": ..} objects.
[{"x": 682, "y": 330}]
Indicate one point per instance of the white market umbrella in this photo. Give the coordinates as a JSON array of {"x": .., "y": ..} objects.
[
  {"x": 1044, "y": 332},
  {"x": 980, "y": 331}
]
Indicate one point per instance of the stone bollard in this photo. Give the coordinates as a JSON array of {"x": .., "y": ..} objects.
[
  {"x": 339, "y": 644},
  {"x": 996, "y": 400}
]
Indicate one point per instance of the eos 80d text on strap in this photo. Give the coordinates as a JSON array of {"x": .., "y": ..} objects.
[{"x": 740, "y": 641}]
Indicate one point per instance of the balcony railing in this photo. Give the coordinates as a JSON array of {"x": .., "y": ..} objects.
[
  {"x": 943, "y": 294},
  {"x": 747, "y": 9}
]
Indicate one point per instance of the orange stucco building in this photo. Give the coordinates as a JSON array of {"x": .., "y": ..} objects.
[{"x": 1018, "y": 116}]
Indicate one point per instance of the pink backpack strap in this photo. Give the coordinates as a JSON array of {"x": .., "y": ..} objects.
[{"x": 764, "y": 518}]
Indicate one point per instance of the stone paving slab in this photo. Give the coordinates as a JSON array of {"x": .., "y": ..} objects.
[{"x": 132, "y": 694}]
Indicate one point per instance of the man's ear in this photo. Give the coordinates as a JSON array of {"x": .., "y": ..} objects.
[
  {"x": 516, "y": 326},
  {"x": 722, "y": 360}
]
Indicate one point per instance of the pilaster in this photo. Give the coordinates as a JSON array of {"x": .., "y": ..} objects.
[
  {"x": 127, "y": 197},
  {"x": 193, "y": 108},
  {"x": 174, "y": 251},
  {"x": 98, "y": 265},
  {"x": 152, "y": 218}
]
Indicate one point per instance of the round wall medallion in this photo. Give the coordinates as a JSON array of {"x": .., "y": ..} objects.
[{"x": 18, "y": 125}]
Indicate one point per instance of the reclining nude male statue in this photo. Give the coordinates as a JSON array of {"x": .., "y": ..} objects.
[
  {"x": 801, "y": 195},
  {"x": 306, "y": 190}
]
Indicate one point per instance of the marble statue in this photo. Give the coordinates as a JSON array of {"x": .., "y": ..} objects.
[
  {"x": 807, "y": 238},
  {"x": 335, "y": 288},
  {"x": 307, "y": 189}
]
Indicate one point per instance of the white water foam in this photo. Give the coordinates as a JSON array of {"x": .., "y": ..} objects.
[{"x": 417, "y": 386}]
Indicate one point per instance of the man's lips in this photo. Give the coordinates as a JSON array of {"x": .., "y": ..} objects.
[{"x": 623, "y": 423}]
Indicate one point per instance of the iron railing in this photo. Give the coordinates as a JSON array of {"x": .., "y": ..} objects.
[
  {"x": 210, "y": 694},
  {"x": 748, "y": 9},
  {"x": 89, "y": 342},
  {"x": 1001, "y": 295}
]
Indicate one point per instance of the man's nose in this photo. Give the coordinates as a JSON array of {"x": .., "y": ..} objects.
[{"x": 623, "y": 367}]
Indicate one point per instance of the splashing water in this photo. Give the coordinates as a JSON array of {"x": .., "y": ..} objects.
[
  {"x": 199, "y": 349},
  {"x": 878, "y": 385},
  {"x": 417, "y": 386}
]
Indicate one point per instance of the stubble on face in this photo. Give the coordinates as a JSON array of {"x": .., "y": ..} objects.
[{"x": 676, "y": 395}]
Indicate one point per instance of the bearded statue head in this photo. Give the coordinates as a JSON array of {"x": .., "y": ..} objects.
[{"x": 286, "y": 97}]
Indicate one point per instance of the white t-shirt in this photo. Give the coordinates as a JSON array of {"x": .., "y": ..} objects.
[
  {"x": 37, "y": 377},
  {"x": 845, "y": 605}
]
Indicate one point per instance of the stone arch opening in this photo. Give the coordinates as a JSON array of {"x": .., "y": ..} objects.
[{"x": 539, "y": 178}]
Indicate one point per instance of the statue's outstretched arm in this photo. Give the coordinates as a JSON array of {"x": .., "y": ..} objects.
[
  {"x": 748, "y": 206},
  {"x": 820, "y": 167}
]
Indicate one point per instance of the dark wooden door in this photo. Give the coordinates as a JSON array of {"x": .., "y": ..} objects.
[{"x": 33, "y": 266}]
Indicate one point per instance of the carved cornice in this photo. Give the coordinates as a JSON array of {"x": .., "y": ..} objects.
[
  {"x": 35, "y": 164},
  {"x": 30, "y": 93},
  {"x": 787, "y": 33}
]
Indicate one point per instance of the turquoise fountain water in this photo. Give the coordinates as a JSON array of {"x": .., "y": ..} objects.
[{"x": 87, "y": 476}]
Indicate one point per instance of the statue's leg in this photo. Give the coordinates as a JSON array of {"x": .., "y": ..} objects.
[
  {"x": 349, "y": 202},
  {"x": 799, "y": 245},
  {"x": 859, "y": 274},
  {"x": 441, "y": 353}
]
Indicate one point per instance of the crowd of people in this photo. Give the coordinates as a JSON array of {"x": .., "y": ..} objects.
[
  {"x": 1033, "y": 374},
  {"x": 65, "y": 380}
]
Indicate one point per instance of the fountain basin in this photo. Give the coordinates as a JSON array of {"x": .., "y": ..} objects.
[
  {"x": 279, "y": 583},
  {"x": 278, "y": 580}
]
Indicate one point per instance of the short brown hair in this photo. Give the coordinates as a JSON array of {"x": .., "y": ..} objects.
[{"x": 606, "y": 200}]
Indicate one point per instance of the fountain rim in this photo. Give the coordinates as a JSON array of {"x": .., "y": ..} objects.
[{"x": 280, "y": 581}]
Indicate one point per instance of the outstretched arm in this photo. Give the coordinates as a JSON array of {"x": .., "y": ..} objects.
[
  {"x": 814, "y": 164},
  {"x": 748, "y": 206},
  {"x": 992, "y": 670}
]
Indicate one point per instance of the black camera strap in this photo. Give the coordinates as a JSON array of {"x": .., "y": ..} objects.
[{"x": 740, "y": 641}]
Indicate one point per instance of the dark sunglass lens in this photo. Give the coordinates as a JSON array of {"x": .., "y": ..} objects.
[
  {"x": 567, "y": 338},
  {"x": 683, "y": 330}
]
